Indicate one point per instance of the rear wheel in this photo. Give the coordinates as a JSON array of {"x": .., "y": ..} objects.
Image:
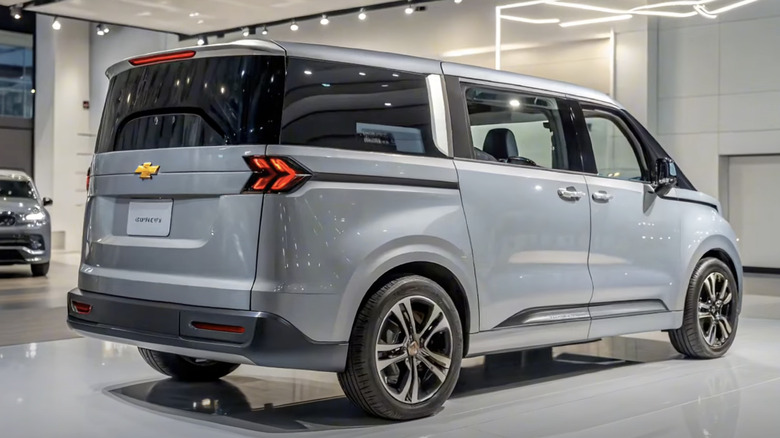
[
  {"x": 711, "y": 312},
  {"x": 39, "y": 269},
  {"x": 405, "y": 350},
  {"x": 186, "y": 369}
]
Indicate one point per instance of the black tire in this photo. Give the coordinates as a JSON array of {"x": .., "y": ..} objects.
[
  {"x": 186, "y": 369},
  {"x": 690, "y": 339},
  {"x": 40, "y": 269},
  {"x": 361, "y": 381}
]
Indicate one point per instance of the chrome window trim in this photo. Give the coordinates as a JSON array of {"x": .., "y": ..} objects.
[{"x": 439, "y": 114}]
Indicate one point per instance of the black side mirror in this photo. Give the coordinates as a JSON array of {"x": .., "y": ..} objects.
[
  {"x": 665, "y": 176},
  {"x": 47, "y": 202}
]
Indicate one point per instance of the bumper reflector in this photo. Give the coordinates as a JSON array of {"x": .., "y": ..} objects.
[
  {"x": 218, "y": 327},
  {"x": 80, "y": 308}
]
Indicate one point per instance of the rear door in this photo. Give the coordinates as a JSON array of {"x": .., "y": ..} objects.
[
  {"x": 166, "y": 219},
  {"x": 526, "y": 208}
]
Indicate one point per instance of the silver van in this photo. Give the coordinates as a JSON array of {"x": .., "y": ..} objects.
[{"x": 382, "y": 217}]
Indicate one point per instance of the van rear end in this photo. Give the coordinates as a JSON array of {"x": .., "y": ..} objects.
[{"x": 175, "y": 202}]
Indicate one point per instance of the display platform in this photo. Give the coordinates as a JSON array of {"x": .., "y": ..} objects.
[{"x": 618, "y": 387}]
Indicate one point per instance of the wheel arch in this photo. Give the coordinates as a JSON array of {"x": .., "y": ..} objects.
[
  {"x": 716, "y": 246},
  {"x": 448, "y": 266}
]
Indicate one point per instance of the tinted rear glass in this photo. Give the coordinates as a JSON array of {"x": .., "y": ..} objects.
[
  {"x": 16, "y": 189},
  {"x": 348, "y": 106},
  {"x": 199, "y": 102}
]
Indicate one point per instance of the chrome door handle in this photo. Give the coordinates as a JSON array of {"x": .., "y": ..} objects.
[
  {"x": 602, "y": 196},
  {"x": 570, "y": 194}
]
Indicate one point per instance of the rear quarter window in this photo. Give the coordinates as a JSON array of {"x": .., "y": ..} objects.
[{"x": 347, "y": 106}]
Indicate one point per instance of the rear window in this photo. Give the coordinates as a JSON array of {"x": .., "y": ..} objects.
[
  {"x": 355, "y": 107},
  {"x": 211, "y": 101}
]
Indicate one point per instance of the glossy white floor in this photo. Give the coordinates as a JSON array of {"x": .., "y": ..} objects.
[{"x": 633, "y": 386}]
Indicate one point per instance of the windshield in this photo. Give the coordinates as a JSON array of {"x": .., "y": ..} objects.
[
  {"x": 16, "y": 189},
  {"x": 226, "y": 100}
]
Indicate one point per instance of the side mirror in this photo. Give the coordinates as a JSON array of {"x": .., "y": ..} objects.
[
  {"x": 665, "y": 176},
  {"x": 47, "y": 202}
]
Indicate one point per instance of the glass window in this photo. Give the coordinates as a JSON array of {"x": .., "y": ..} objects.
[
  {"x": 516, "y": 128},
  {"x": 226, "y": 100},
  {"x": 16, "y": 189},
  {"x": 613, "y": 147},
  {"x": 348, "y": 106},
  {"x": 16, "y": 75}
]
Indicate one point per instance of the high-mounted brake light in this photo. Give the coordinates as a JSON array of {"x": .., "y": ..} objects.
[
  {"x": 162, "y": 58},
  {"x": 275, "y": 175}
]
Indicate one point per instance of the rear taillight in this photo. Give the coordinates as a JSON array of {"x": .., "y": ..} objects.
[
  {"x": 275, "y": 175},
  {"x": 89, "y": 171},
  {"x": 80, "y": 308},
  {"x": 219, "y": 327}
]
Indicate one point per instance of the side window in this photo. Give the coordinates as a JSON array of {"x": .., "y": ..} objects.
[
  {"x": 349, "y": 106},
  {"x": 613, "y": 146},
  {"x": 516, "y": 128}
]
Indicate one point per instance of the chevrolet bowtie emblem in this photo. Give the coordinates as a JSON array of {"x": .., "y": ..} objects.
[{"x": 146, "y": 170}]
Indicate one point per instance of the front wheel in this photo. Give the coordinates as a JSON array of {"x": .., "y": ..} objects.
[
  {"x": 711, "y": 312},
  {"x": 405, "y": 350},
  {"x": 186, "y": 369}
]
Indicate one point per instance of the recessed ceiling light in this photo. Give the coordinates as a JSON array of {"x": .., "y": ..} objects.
[
  {"x": 307, "y": 72},
  {"x": 388, "y": 104},
  {"x": 200, "y": 21},
  {"x": 194, "y": 14}
]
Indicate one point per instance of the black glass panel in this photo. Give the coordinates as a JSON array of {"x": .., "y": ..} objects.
[
  {"x": 199, "y": 102},
  {"x": 356, "y": 107}
]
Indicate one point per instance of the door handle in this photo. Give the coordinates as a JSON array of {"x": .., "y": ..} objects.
[
  {"x": 602, "y": 196},
  {"x": 570, "y": 194}
]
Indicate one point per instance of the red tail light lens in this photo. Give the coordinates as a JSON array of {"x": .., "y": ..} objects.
[
  {"x": 162, "y": 58},
  {"x": 80, "y": 308},
  {"x": 89, "y": 171},
  {"x": 218, "y": 327},
  {"x": 275, "y": 175}
]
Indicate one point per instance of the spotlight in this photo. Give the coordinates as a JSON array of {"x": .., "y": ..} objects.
[
  {"x": 56, "y": 25},
  {"x": 245, "y": 32},
  {"x": 16, "y": 12},
  {"x": 409, "y": 10},
  {"x": 265, "y": 30},
  {"x": 362, "y": 16},
  {"x": 325, "y": 21},
  {"x": 102, "y": 29},
  {"x": 294, "y": 26},
  {"x": 202, "y": 40},
  {"x": 457, "y": 2}
]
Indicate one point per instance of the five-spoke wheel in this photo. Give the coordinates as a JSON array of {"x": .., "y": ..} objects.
[
  {"x": 414, "y": 349},
  {"x": 711, "y": 312},
  {"x": 405, "y": 350}
]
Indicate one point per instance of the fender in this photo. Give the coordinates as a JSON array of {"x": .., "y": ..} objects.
[{"x": 398, "y": 252}]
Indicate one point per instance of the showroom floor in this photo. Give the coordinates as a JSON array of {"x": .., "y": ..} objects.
[{"x": 632, "y": 386}]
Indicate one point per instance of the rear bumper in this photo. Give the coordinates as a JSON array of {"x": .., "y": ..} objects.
[{"x": 267, "y": 340}]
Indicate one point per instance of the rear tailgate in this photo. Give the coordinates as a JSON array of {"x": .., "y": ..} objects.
[{"x": 166, "y": 219}]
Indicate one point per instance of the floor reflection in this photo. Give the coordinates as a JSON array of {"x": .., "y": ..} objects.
[{"x": 299, "y": 404}]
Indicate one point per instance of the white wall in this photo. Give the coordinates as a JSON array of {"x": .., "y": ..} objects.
[
  {"x": 718, "y": 90},
  {"x": 62, "y": 150}
]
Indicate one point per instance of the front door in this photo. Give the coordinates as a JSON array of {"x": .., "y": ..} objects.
[
  {"x": 635, "y": 235},
  {"x": 527, "y": 210}
]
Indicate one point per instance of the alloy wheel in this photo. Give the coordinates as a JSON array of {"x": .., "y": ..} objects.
[
  {"x": 414, "y": 349},
  {"x": 716, "y": 310}
]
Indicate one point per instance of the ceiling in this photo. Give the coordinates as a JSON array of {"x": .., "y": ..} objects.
[{"x": 191, "y": 17}]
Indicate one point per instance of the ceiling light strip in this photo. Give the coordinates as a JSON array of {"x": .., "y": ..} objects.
[
  {"x": 597, "y": 20},
  {"x": 531, "y": 20}
]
